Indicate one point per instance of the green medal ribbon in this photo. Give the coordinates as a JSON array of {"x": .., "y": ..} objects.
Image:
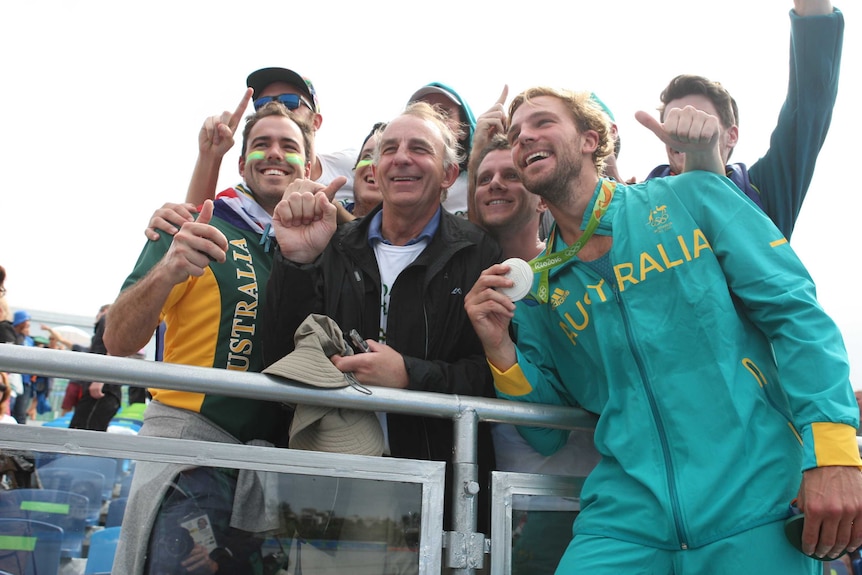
[{"x": 543, "y": 264}]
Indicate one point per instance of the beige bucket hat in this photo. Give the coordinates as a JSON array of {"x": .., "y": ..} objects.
[{"x": 317, "y": 427}]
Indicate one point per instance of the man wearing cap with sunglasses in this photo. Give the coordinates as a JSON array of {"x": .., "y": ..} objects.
[
  {"x": 298, "y": 95},
  {"x": 206, "y": 283}
]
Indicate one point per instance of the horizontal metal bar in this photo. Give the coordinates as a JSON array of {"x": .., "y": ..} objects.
[
  {"x": 214, "y": 454},
  {"x": 142, "y": 373}
]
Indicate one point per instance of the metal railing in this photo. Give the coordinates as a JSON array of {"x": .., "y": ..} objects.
[{"x": 464, "y": 547}]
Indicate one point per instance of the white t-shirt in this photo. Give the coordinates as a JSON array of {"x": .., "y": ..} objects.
[
  {"x": 338, "y": 164},
  {"x": 456, "y": 199},
  {"x": 391, "y": 261},
  {"x": 575, "y": 459}
]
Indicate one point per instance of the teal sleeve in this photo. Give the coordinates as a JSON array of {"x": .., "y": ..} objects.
[
  {"x": 778, "y": 296},
  {"x": 783, "y": 175},
  {"x": 544, "y": 385}
]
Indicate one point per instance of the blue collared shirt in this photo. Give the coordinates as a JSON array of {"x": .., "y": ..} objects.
[{"x": 375, "y": 234}]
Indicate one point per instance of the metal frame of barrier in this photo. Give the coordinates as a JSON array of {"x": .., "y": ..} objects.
[
  {"x": 464, "y": 547},
  {"x": 429, "y": 474},
  {"x": 505, "y": 486}
]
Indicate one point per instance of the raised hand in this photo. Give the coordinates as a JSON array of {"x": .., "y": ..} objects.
[
  {"x": 194, "y": 247},
  {"x": 305, "y": 219},
  {"x": 169, "y": 218},
  {"x": 812, "y": 7},
  {"x": 692, "y": 132},
  {"x": 214, "y": 140},
  {"x": 216, "y": 135},
  {"x": 494, "y": 121}
]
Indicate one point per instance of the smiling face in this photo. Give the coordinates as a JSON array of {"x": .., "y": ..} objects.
[
  {"x": 365, "y": 190},
  {"x": 410, "y": 168},
  {"x": 274, "y": 157},
  {"x": 547, "y": 149},
  {"x": 502, "y": 202}
]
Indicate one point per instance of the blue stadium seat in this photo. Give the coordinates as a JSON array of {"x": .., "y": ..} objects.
[
  {"x": 29, "y": 547},
  {"x": 107, "y": 466},
  {"x": 116, "y": 510},
  {"x": 80, "y": 481},
  {"x": 61, "y": 508},
  {"x": 103, "y": 547}
]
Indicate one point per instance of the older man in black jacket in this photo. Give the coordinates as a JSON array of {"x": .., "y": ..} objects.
[{"x": 398, "y": 276}]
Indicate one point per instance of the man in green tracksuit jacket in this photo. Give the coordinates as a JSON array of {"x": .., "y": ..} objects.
[
  {"x": 778, "y": 181},
  {"x": 679, "y": 313}
]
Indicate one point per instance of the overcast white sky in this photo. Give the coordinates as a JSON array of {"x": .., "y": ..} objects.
[{"x": 104, "y": 101}]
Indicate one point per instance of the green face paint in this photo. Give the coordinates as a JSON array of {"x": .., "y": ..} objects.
[
  {"x": 290, "y": 158},
  {"x": 295, "y": 159},
  {"x": 363, "y": 163}
]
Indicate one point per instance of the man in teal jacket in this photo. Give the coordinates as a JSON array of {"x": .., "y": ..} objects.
[
  {"x": 779, "y": 180},
  {"x": 679, "y": 313}
]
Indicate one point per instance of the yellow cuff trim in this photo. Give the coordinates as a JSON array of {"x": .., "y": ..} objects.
[
  {"x": 512, "y": 381},
  {"x": 835, "y": 444}
]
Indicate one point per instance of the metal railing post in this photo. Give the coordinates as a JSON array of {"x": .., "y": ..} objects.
[{"x": 466, "y": 547}]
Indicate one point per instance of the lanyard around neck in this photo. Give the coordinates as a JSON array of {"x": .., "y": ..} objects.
[{"x": 543, "y": 264}]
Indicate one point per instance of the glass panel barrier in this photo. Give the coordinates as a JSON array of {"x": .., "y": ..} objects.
[
  {"x": 352, "y": 512},
  {"x": 256, "y": 509},
  {"x": 531, "y": 521}
]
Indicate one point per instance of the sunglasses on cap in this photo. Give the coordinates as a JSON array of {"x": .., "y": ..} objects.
[{"x": 290, "y": 101}]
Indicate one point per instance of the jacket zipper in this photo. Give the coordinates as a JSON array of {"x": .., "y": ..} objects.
[{"x": 671, "y": 481}]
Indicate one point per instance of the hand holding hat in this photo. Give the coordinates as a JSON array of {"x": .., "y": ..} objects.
[{"x": 323, "y": 428}]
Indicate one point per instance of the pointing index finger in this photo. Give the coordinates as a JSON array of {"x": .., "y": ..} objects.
[
  {"x": 240, "y": 110},
  {"x": 503, "y": 95}
]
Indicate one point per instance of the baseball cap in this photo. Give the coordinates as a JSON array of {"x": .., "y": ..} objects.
[
  {"x": 468, "y": 118},
  {"x": 20, "y": 317},
  {"x": 428, "y": 90},
  {"x": 260, "y": 79},
  {"x": 603, "y": 106}
]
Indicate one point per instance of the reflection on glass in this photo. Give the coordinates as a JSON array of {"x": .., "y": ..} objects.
[
  {"x": 239, "y": 521},
  {"x": 541, "y": 531},
  {"x": 214, "y": 520}
]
